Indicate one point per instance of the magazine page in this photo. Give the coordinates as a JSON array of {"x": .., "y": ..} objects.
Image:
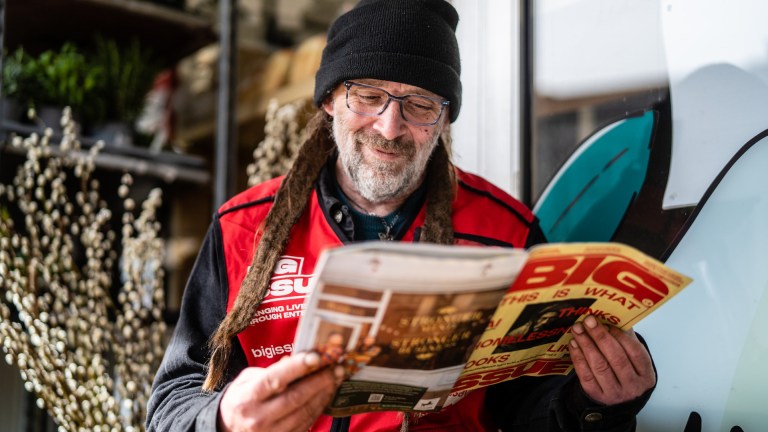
[
  {"x": 560, "y": 285},
  {"x": 402, "y": 319}
]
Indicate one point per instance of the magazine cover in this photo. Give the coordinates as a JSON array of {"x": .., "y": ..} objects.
[
  {"x": 417, "y": 325},
  {"x": 561, "y": 284}
]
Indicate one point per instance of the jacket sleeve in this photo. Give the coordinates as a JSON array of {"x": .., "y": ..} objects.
[
  {"x": 177, "y": 402},
  {"x": 558, "y": 404}
]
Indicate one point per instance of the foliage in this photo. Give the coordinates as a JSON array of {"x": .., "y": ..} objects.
[
  {"x": 18, "y": 76},
  {"x": 85, "y": 345},
  {"x": 66, "y": 78},
  {"x": 54, "y": 78},
  {"x": 128, "y": 73},
  {"x": 107, "y": 83}
]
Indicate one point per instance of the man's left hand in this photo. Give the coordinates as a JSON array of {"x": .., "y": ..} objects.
[{"x": 613, "y": 366}]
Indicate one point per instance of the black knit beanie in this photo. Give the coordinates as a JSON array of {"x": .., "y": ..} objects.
[{"x": 406, "y": 41}]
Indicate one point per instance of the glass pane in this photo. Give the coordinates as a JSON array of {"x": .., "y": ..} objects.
[{"x": 597, "y": 63}]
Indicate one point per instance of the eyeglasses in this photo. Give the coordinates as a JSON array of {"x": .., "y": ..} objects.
[{"x": 370, "y": 101}]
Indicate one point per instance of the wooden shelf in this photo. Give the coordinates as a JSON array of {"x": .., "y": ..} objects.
[
  {"x": 249, "y": 111},
  {"x": 167, "y": 166},
  {"x": 45, "y": 24}
]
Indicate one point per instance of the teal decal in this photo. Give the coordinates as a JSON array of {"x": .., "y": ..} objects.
[{"x": 588, "y": 197}]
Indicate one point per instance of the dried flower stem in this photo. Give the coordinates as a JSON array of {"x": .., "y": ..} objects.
[
  {"x": 283, "y": 134},
  {"x": 88, "y": 357}
]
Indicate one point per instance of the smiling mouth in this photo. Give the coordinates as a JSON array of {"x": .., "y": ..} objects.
[
  {"x": 384, "y": 150},
  {"x": 385, "y": 154}
]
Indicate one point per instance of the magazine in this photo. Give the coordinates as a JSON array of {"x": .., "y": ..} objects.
[{"x": 416, "y": 326}]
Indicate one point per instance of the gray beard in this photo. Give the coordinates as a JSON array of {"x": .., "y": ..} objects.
[{"x": 379, "y": 181}]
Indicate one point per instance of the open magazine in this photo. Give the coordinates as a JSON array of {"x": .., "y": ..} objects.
[{"x": 418, "y": 325}]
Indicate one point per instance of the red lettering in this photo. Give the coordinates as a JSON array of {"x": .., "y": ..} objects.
[
  {"x": 557, "y": 367},
  {"x": 497, "y": 376},
  {"x": 623, "y": 275},
  {"x": 543, "y": 273},
  {"x": 536, "y": 367},
  {"x": 632, "y": 279},
  {"x": 522, "y": 298},
  {"x": 530, "y": 368},
  {"x": 584, "y": 270},
  {"x": 467, "y": 382}
]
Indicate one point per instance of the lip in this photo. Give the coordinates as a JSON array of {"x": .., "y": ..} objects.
[{"x": 385, "y": 155}]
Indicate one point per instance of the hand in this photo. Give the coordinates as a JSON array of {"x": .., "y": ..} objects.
[
  {"x": 613, "y": 366},
  {"x": 286, "y": 396}
]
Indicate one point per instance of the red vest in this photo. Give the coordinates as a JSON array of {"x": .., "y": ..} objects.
[{"x": 482, "y": 214}]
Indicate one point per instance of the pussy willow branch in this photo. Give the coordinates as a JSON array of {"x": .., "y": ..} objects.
[
  {"x": 283, "y": 134},
  {"x": 86, "y": 348}
]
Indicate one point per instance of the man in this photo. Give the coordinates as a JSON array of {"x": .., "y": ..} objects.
[
  {"x": 540, "y": 324},
  {"x": 375, "y": 166},
  {"x": 544, "y": 320}
]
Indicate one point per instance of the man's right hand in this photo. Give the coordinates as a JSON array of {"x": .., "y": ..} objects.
[{"x": 287, "y": 396}]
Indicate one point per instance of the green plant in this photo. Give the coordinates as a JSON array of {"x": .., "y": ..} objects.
[
  {"x": 108, "y": 83},
  {"x": 128, "y": 73},
  {"x": 19, "y": 76},
  {"x": 66, "y": 78}
]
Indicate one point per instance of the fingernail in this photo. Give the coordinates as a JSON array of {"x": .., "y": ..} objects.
[
  {"x": 590, "y": 321},
  {"x": 274, "y": 384},
  {"x": 578, "y": 328},
  {"x": 312, "y": 360},
  {"x": 338, "y": 373},
  {"x": 574, "y": 344}
]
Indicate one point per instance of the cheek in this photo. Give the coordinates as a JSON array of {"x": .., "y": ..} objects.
[{"x": 353, "y": 123}]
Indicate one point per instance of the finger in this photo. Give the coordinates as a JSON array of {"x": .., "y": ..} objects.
[
  {"x": 612, "y": 350},
  {"x": 278, "y": 376},
  {"x": 631, "y": 370},
  {"x": 299, "y": 406},
  {"x": 637, "y": 353},
  {"x": 587, "y": 379},
  {"x": 599, "y": 374}
]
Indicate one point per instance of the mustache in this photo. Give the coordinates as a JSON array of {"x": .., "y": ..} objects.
[{"x": 398, "y": 146}]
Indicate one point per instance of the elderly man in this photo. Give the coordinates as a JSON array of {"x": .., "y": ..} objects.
[{"x": 376, "y": 166}]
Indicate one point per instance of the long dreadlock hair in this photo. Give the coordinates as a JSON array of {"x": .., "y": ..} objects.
[{"x": 289, "y": 204}]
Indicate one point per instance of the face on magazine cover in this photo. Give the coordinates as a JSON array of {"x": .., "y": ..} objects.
[{"x": 541, "y": 323}]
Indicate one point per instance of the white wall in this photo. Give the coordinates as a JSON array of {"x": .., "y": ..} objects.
[{"x": 486, "y": 134}]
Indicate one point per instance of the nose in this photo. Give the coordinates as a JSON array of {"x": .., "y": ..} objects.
[{"x": 390, "y": 124}]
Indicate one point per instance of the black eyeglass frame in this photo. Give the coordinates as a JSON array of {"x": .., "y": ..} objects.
[{"x": 443, "y": 103}]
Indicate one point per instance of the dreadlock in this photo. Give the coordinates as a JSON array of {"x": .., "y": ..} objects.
[
  {"x": 441, "y": 189},
  {"x": 289, "y": 204}
]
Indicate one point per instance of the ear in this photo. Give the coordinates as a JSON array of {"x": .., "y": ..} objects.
[
  {"x": 328, "y": 105},
  {"x": 446, "y": 118},
  {"x": 444, "y": 123}
]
